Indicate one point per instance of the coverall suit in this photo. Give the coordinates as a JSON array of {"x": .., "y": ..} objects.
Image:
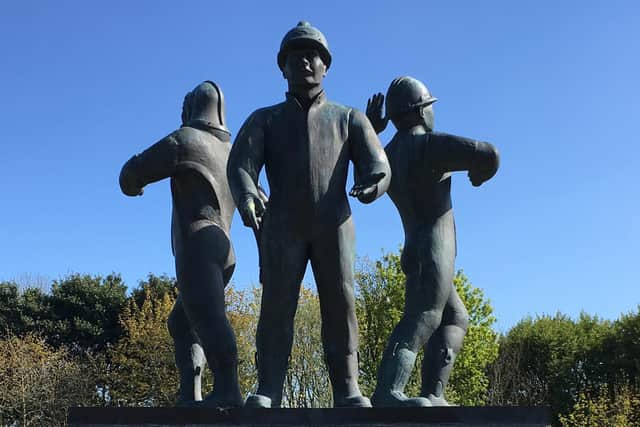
[
  {"x": 195, "y": 158},
  {"x": 306, "y": 154},
  {"x": 421, "y": 191}
]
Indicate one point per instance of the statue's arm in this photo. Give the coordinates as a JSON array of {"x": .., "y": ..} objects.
[
  {"x": 243, "y": 168},
  {"x": 456, "y": 153},
  {"x": 372, "y": 173},
  {"x": 153, "y": 164}
]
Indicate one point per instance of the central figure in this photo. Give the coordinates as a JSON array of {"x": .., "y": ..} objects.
[{"x": 305, "y": 144}]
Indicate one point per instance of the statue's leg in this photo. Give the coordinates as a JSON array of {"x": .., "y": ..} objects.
[
  {"x": 283, "y": 259},
  {"x": 189, "y": 355},
  {"x": 428, "y": 265},
  {"x": 332, "y": 259},
  {"x": 199, "y": 267},
  {"x": 442, "y": 349}
]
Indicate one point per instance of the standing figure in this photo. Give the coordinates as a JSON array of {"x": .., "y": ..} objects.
[
  {"x": 305, "y": 144},
  {"x": 195, "y": 158},
  {"x": 421, "y": 161}
]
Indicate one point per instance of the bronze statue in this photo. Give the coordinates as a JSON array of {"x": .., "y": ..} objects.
[
  {"x": 305, "y": 144},
  {"x": 195, "y": 158},
  {"x": 421, "y": 162}
]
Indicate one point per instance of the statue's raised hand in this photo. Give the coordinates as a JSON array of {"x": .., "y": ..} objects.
[
  {"x": 251, "y": 210},
  {"x": 374, "y": 112}
]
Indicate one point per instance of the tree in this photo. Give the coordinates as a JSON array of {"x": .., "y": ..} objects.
[
  {"x": 380, "y": 302},
  {"x": 307, "y": 384},
  {"x": 243, "y": 309},
  {"x": 38, "y": 382},
  {"x": 85, "y": 310},
  {"x": 549, "y": 360},
  {"x": 24, "y": 310},
  {"x": 143, "y": 371},
  {"x": 154, "y": 287},
  {"x": 604, "y": 407}
]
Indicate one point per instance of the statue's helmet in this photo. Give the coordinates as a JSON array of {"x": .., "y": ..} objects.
[
  {"x": 304, "y": 35},
  {"x": 405, "y": 94},
  {"x": 204, "y": 105}
]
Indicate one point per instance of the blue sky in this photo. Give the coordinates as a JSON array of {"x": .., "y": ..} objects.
[{"x": 554, "y": 85}]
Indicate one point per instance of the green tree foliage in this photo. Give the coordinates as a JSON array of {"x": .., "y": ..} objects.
[
  {"x": 379, "y": 307},
  {"x": 380, "y": 303},
  {"x": 154, "y": 287},
  {"x": 38, "y": 383},
  {"x": 604, "y": 407},
  {"x": 469, "y": 380},
  {"x": 549, "y": 360},
  {"x": 307, "y": 383},
  {"x": 24, "y": 311},
  {"x": 143, "y": 372},
  {"x": 85, "y": 310},
  {"x": 243, "y": 309}
]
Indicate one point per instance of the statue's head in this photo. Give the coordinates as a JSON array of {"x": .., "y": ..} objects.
[
  {"x": 304, "y": 56},
  {"x": 409, "y": 103},
  {"x": 205, "y": 105}
]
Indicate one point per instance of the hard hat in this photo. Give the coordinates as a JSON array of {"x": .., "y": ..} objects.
[
  {"x": 406, "y": 93},
  {"x": 205, "y": 105},
  {"x": 301, "y": 35}
]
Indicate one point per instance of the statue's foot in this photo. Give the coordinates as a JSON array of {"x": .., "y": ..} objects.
[
  {"x": 257, "y": 401},
  {"x": 216, "y": 401},
  {"x": 397, "y": 399},
  {"x": 437, "y": 400},
  {"x": 186, "y": 403},
  {"x": 352, "y": 402}
]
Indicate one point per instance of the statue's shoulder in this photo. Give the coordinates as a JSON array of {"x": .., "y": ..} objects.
[
  {"x": 265, "y": 113},
  {"x": 339, "y": 108}
]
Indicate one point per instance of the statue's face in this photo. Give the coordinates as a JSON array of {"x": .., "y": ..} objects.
[
  {"x": 427, "y": 116},
  {"x": 304, "y": 66}
]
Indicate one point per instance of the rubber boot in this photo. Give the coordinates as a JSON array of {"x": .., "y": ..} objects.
[
  {"x": 393, "y": 375},
  {"x": 190, "y": 370},
  {"x": 343, "y": 373},
  {"x": 271, "y": 373},
  {"x": 189, "y": 356},
  {"x": 226, "y": 389},
  {"x": 435, "y": 375}
]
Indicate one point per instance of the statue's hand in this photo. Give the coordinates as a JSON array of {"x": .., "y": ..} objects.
[
  {"x": 374, "y": 112},
  {"x": 251, "y": 210},
  {"x": 129, "y": 184},
  {"x": 478, "y": 177},
  {"x": 367, "y": 189}
]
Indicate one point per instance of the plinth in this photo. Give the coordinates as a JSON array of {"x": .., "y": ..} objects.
[{"x": 485, "y": 416}]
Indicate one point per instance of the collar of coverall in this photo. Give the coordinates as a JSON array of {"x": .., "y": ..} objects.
[
  {"x": 317, "y": 100},
  {"x": 206, "y": 126}
]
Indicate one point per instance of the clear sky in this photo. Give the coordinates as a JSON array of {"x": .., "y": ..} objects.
[{"x": 554, "y": 85}]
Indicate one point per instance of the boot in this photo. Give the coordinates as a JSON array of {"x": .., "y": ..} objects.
[
  {"x": 435, "y": 375},
  {"x": 343, "y": 373},
  {"x": 393, "y": 375},
  {"x": 272, "y": 370},
  {"x": 257, "y": 401}
]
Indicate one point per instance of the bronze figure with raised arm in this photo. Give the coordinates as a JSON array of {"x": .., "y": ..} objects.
[
  {"x": 421, "y": 163},
  {"x": 194, "y": 157}
]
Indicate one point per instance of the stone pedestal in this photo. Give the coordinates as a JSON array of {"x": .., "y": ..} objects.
[{"x": 410, "y": 417}]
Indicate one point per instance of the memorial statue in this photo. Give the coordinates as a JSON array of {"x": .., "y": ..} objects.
[
  {"x": 195, "y": 158},
  {"x": 421, "y": 163},
  {"x": 305, "y": 144}
]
